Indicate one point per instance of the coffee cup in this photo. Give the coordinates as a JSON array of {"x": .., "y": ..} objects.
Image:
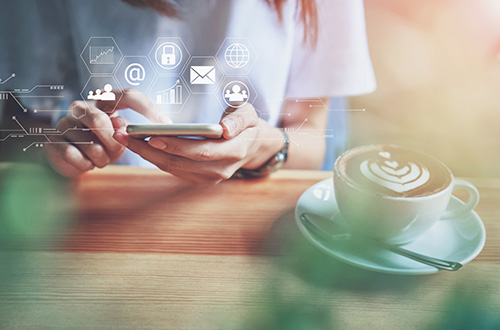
[{"x": 395, "y": 194}]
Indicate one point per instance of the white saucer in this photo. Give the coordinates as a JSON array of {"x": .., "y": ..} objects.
[{"x": 460, "y": 239}]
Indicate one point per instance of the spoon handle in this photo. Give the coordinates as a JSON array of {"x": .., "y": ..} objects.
[{"x": 428, "y": 260}]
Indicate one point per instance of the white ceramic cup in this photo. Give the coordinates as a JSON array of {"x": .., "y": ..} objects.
[{"x": 397, "y": 220}]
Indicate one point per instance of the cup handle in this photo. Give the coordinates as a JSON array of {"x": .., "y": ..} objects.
[{"x": 469, "y": 205}]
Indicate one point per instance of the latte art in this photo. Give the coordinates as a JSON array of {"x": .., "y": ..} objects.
[
  {"x": 393, "y": 176},
  {"x": 393, "y": 171}
]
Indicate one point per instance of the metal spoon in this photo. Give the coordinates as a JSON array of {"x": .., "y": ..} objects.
[{"x": 431, "y": 261}]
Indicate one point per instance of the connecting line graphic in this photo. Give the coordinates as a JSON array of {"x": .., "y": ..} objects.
[
  {"x": 45, "y": 132},
  {"x": 313, "y": 103},
  {"x": 19, "y": 93},
  {"x": 312, "y": 132},
  {"x": 4, "y": 81},
  {"x": 27, "y": 90}
]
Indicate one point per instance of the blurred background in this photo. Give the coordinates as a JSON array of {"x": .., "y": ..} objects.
[{"x": 437, "y": 64}]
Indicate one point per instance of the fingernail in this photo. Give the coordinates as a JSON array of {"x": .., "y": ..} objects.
[
  {"x": 122, "y": 121},
  {"x": 229, "y": 124},
  {"x": 158, "y": 144},
  {"x": 120, "y": 138}
]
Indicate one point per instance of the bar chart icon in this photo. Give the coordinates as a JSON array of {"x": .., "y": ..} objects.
[{"x": 172, "y": 95}]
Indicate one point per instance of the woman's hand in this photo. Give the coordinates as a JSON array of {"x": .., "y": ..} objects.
[
  {"x": 247, "y": 142},
  {"x": 88, "y": 142}
]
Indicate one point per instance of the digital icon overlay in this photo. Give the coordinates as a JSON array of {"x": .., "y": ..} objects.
[
  {"x": 99, "y": 95},
  {"x": 236, "y": 94},
  {"x": 135, "y": 74},
  {"x": 168, "y": 55},
  {"x": 237, "y": 55},
  {"x": 102, "y": 54},
  {"x": 171, "y": 95},
  {"x": 202, "y": 75}
]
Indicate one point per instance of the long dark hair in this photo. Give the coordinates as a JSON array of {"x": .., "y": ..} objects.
[{"x": 305, "y": 9}]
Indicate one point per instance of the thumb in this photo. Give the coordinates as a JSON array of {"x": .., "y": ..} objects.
[
  {"x": 237, "y": 120},
  {"x": 119, "y": 123}
]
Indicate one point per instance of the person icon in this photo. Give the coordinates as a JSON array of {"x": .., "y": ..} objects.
[
  {"x": 97, "y": 95},
  {"x": 237, "y": 95},
  {"x": 108, "y": 95},
  {"x": 91, "y": 96}
]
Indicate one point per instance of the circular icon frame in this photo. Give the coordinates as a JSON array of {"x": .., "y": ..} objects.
[
  {"x": 236, "y": 83},
  {"x": 159, "y": 55}
]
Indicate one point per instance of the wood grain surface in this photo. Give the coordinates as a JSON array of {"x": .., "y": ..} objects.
[{"x": 150, "y": 251}]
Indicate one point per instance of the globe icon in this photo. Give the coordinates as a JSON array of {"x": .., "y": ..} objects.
[{"x": 237, "y": 55}]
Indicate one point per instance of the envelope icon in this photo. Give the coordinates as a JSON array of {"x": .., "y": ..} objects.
[{"x": 202, "y": 75}]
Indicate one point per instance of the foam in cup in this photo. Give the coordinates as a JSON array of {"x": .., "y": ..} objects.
[{"x": 393, "y": 171}]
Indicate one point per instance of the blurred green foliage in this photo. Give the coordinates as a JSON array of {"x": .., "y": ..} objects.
[{"x": 35, "y": 206}]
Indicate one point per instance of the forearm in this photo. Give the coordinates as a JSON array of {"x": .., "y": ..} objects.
[
  {"x": 306, "y": 151},
  {"x": 306, "y": 127}
]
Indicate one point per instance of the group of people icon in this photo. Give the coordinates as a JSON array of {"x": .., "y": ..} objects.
[
  {"x": 237, "y": 95},
  {"x": 108, "y": 95}
]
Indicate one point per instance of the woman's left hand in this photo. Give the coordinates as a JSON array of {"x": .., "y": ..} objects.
[{"x": 248, "y": 142}]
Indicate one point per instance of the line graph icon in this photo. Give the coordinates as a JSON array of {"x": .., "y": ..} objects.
[{"x": 101, "y": 55}]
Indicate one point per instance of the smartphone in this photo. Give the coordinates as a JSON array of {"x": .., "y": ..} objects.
[{"x": 209, "y": 131}]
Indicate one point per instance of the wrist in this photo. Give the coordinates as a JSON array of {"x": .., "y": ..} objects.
[
  {"x": 274, "y": 163},
  {"x": 268, "y": 142}
]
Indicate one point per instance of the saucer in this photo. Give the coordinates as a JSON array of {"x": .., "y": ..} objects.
[{"x": 460, "y": 239}]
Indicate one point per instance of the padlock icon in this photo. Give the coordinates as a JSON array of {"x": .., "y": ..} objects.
[{"x": 168, "y": 56}]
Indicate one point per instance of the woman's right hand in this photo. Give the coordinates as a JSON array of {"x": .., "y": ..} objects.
[{"x": 88, "y": 142}]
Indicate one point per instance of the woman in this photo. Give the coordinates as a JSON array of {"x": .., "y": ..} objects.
[{"x": 306, "y": 50}]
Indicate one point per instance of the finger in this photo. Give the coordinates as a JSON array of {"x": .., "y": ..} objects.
[
  {"x": 100, "y": 124},
  {"x": 220, "y": 170},
  {"x": 200, "y": 150},
  {"x": 135, "y": 100},
  {"x": 92, "y": 149},
  {"x": 161, "y": 159},
  {"x": 87, "y": 142},
  {"x": 119, "y": 122},
  {"x": 237, "y": 120},
  {"x": 60, "y": 152}
]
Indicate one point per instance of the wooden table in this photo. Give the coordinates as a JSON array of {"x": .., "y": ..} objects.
[{"x": 150, "y": 251}]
